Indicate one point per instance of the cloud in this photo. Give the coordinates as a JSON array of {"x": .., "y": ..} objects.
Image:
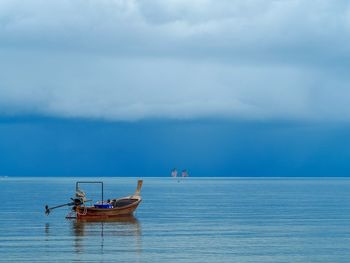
[{"x": 127, "y": 60}]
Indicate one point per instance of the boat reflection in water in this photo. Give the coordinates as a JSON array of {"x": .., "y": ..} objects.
[{"x": 107, "y": 236}]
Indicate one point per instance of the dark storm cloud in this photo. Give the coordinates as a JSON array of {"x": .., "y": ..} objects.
[{"x": 126, "y": 60}]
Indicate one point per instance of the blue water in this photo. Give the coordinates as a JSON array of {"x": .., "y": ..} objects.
[{"x": 194, "y": 220}]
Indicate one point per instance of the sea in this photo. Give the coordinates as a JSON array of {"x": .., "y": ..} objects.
[{"x": 202, "y": 220}]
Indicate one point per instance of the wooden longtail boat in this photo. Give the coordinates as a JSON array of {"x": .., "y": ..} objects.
[{"x": 112, "y": 208}]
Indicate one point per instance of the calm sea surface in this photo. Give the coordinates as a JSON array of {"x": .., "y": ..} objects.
[{"x": 194, "y": 220}]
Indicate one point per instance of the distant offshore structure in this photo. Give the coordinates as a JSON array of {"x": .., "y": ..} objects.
[{"x": 174, "y": 173}]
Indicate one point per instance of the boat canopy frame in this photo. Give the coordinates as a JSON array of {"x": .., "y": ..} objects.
[{"x": 90, "y": 182}]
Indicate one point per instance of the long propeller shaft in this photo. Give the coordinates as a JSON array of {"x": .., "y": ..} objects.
[{"x": 48, "y": 209}]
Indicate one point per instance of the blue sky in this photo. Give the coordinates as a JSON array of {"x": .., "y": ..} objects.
[{"x": 245, "y": 87}]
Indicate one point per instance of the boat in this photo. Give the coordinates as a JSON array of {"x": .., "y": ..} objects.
[
  {"x": 103, "y": 209},
  {"x": 174, "y": 173}
]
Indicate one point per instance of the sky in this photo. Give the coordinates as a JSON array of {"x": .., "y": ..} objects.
[{"x": 221, "y": 88}]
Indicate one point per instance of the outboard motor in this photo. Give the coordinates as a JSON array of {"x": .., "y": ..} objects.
[{"x": 80, "y": 199}]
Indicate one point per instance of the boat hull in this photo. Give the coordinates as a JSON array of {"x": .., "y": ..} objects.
[{"x": 90, "y": 212}]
